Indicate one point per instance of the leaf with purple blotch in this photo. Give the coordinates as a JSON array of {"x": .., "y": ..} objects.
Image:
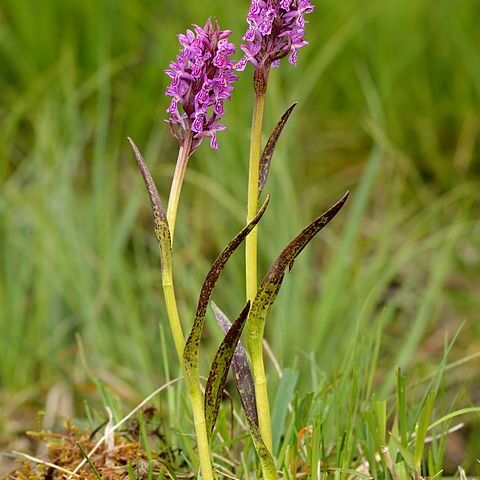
[
  {"x": 191, "y": 351},
  {"x": 266, "y": 460},
  {"x": 266, "y": 158},
  {"x": 246, "y": 390},
  {"x": 241, "y": 370},
  {"x": 270, "y": 286},
  {"x": 219, "y": 369},
  {"x": 162, "y": 230}
]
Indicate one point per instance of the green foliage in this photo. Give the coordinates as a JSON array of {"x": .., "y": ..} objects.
[
  {"x": 220, "y": 367},
  {"x": 270, "y": 286},
  {"x": 282, "y": 400},
  {"x": 240, "y": 369},
  {"x": 192, "y": 345},
  {"x": 267, "y": 154}
]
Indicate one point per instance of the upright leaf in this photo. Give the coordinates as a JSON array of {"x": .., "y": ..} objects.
[
  {"x": 241, "y": 370},
  {"x": 266, "y": 158},
  {"x": 266, "y": 460},
  {"x": 422, "y": 427},
  {"x": 246, "y": 390},
  {"x": 160, "y": 223},
  {"x": 219, "y": 369},
  {"x": 401, "y": 407},
  {"x": 268, "y": 291},
  {"x": 190, "y": 353}
]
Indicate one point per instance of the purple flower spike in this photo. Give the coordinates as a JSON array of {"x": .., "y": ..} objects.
[
  {"x": 202, "y": 77},
  {"x": 276, "y": 30}
]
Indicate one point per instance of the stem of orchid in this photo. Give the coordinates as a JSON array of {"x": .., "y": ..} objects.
[
  {"x": 261, "y": 394},
  {"x": 177, "y": 182},
  {"x": 196, "y": 400},
  {"x": 172, "y": 312},
  {"x": 256, "y": 354},
  {"x": 193, "y": 387},
  {"x": 167, "y": 271},
  {"x": 252, "y": 201}
]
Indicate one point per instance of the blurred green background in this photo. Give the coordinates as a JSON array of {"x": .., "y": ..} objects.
[{"x": 389, "y": 107}]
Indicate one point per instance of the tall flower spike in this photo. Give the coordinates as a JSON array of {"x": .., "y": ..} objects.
[
  {"x": 276, "y": 30},
  {"x": 202, "y": 77}
]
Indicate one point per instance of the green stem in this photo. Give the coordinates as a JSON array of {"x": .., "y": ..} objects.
[
  {"x": 252, "y": 201},
  {"x": 193, "y": 387},
  {"x": 177, "y": 182},
  {"x": 172, "y": 312},
  {"x": 256, "y": 352},
  {"x": 261, "y": 395},
  {"x": 196, "y": 399}
]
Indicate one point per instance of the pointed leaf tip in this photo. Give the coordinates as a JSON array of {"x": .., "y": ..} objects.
[
  {"x": 191, "y": 350},
  {"x": 162, "y": 230},
  {"x": 271, "y": 283},
  {"x": 304, "y": 238},
  {"x": 266, "y": 158}
]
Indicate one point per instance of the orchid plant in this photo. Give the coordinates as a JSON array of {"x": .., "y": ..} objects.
[{"x": 202, "y": 78}]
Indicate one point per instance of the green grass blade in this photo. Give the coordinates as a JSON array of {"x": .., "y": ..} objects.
[
  {"x": 407, "y": 455},
  {"x": 380, "y": 409},
  {"x": 283, "y": 398},
  {"x": 90, "y": 463},
  {"x": 449, "y": 416},
  {"x": 401, "y": 471},
  {"x": 422, "y": 427},
  {"x": 402, "y": 407},
  {"x": 354, "y": 473},
  {"x": 335, "y": 274}
]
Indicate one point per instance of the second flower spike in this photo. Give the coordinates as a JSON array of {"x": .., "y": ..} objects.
[{"x": 276, "y": 30}]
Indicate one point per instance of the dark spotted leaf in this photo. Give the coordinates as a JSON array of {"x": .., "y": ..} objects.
[
  {"x": 266, "y": 460},
  {"x": 219, "y": 369},
  {"x": 241, "y": 370},
  {"x": 191, "y": 351},
  {"x": 244, "y": 383},
  {"x": 266, "y": 158},
  {"x": 270, "y": 286},
  {"x": 162, "y": 231}
]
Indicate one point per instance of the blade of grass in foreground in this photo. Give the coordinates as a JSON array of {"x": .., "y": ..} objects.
[
  {"x": 283, "y": 397},
  {"x": 421, "y": 428}
]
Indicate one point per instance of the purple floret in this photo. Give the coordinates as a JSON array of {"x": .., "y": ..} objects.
[
  {"x": 202, "y": 79},
  {"x": 276, "y": 30}
]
